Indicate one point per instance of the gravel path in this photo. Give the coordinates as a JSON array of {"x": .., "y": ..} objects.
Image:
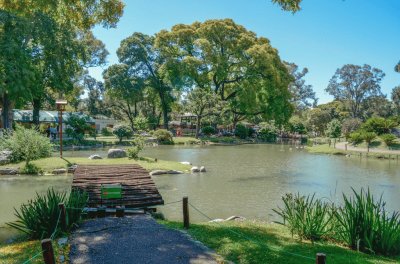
[{"x": 134, "y": 239}]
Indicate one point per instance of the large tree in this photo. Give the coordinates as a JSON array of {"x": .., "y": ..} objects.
[
  {"x": 123, "y": 90},
  {"x": 244, "y": 70},
  {"x": 53, "y": 35},
  {"x": 303, "y": 95},
  {"x": 202, "y": 103},
  {"x": 396, "y": 98},
  {"x": 353, "y": 84},
  {"x": 146, "y": 64}
]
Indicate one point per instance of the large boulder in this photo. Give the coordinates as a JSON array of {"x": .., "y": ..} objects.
[
  {"x": 72, "y": 168},
  {"x": 195, "y": 169},
  {"x": 116, "y": 153},
  {"x": 5, "y": 157},
  {"x": 202, "y": 169},
  {"x": 95, "y": 156},
  {"x": 9, "y": 171}
]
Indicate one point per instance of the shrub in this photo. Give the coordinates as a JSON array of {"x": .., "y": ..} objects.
[
  {"x": 364, "y": 223},
  {"x": 163, "y": 136},
  {"x": 241, "y": 131},
  {"x": 77, "y": 127},
  {"x": 379, "y": 125},
  {"x": 356, "y": 138},
  {"x": 334, "y": 129},
  {"x": 141, "y": 123},
  {"x": 122, "y": 131},
  {"x": 31, "y": 169},
  {"x": 208, "y": 130},
  {"x": 368, "y": 137},
  {"x": 268, "y": 131},
  {"x": 306, "y": 216},
  {"x": 350, "y": 125},
  {"x": 105, "y": 131},
  {"x": 38, "y": 218},
  {"x": 26, "y": 145},
  {"x": 388, "y": 139},
  {"x": 137, "y": 146}
]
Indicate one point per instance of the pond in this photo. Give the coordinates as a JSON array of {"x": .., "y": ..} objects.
[{"x": 245, "y": 180}]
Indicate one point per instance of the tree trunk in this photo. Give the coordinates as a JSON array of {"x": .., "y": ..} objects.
[
  {"x": 198, "y": 126},
  {"x": 36, "y": 112},
  {"x": 7, "y": 113}
]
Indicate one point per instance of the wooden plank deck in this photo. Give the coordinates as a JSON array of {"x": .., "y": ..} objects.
[{"x": 138, "y": 189}]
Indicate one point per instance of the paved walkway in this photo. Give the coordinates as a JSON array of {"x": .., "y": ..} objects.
[
  {"x": 134, "y": 239},
  {"x": 341, "y": 145}
]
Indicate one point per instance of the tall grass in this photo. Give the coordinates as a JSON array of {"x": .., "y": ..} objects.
[
  {"x": 365, "y": 225},
  {"x": 39, "y": 217},
  {"x": 361, "y": 223},
  {"x": 306, "y": 216}
]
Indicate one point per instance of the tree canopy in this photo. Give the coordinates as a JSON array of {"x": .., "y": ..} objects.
[{"x": 353, "y": 84}]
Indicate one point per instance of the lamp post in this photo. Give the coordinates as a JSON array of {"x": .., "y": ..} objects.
[{"x": 61, "y": 103}]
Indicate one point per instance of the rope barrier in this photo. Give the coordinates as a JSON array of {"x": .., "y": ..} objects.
[
  {"x": 246, "y": 237},
  {"x": 32, "y": 258},
  {"x": 173, "y": 202},
  {"x": 55, "y": 229}
]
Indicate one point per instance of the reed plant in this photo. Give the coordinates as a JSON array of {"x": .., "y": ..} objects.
[
  {"x": 365, "y": 225},
  {"x": 361, "y": 223},
  {"x": 39, "y": 218},
  {"x": 306, "y": 216}
]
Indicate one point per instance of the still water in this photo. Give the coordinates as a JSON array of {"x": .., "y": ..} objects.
[{"x": 245, "y": 180}]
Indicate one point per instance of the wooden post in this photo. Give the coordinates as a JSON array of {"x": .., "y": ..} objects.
[
  {"x": 321, "y": 258},
  {"x": 119, "y": 211},
  {"x": 63, "y": 216},
  {"x": 48, "y": 253},
  {"x": 345, "y": 147},
  {"x": 185, "y": 208}
]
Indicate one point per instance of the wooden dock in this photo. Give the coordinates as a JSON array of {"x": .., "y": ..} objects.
[{"x": 138, "y": 189}]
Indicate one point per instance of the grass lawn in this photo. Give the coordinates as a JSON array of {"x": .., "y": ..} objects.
[
  {"x": 19, "y": 252},
  {"x": 49, "y": 164},
  {"x": 325, "y": 149},
  {"x": 257, "y": 242},
  {"x": 186, "y": 140}
]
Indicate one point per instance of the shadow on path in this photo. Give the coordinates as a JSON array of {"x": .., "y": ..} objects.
[{"x": 134, "y": 239}]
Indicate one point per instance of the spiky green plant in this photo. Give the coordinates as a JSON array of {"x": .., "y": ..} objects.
[
  {"x": 306, "y": 216},
  {"x": 364, "y": 224},
  {"x": 39, "y": 218}
]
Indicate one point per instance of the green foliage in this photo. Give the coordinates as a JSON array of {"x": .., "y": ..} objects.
[
  {"x": 288, "y": 5},
  {"x": 39, "y": 217},
  {"x": 354, "y": 85},
  {"x": 350, "y": 125},
  {"x": 368, "y": 136},
  {"x": 31, "y": 169},
  {"x": 388, "y": 139},
  {"x": 141, "y": 123},
  {"x": 137, "y": 146},
  {"x": 356, "y": 138},
  {"x": 379, "y": 125},
  {"x": 363, "y": 220},
  {"x": 334, "y": 129},
  {"x": 26, "y": 145},
  {"x": 163, "y": 136},
  {"x": 105, "y": 131},
  {"x": 122, "y": 131},
  {"x": 241, "y": 131},
  {"x": 208, "y": 130},
  {"x": 307, "y": 217},
  {"x": 296, "y": 125},
  {"x": 268, "y": 131},
  {"x": 77, "y": 126}
]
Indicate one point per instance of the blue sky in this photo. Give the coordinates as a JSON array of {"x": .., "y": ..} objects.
[{"x": 323, "y": 36}]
